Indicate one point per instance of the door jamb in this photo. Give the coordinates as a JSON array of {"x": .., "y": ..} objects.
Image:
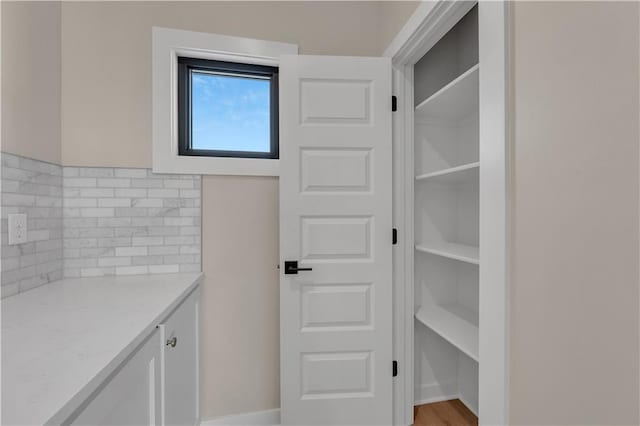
[{"x": 426, "y": 26}]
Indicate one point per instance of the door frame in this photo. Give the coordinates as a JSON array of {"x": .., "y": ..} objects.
[{"x": 425, "y": 27}]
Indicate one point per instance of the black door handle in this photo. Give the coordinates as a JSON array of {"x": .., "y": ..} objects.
[{"x": 291, "y": 267}]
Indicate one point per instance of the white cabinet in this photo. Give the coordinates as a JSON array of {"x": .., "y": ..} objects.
[
  {"x": 158, "y": 383},
  {"x": 179, "y": 338},
  {"x": 132, "y": 395}
]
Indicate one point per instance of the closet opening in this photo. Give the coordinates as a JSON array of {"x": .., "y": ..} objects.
[{"x": 446, "y": 199}]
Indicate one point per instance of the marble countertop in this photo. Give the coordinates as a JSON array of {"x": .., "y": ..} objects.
[{"x": 62, "y": 340}]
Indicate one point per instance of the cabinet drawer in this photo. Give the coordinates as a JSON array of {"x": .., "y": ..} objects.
[
  {"x": 132, "y": 395},
  {"x": 179, "y": 342}
]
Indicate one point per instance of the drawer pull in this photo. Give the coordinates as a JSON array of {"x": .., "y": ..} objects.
[{"x": 172, "y": 342}]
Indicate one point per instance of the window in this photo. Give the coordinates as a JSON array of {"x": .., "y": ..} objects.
[
  {"x": 227, "y": 109},
  {"x": 252, "y": 151}
]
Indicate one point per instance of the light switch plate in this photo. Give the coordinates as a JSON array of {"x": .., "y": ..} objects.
[{"x": 17, "y": 228}]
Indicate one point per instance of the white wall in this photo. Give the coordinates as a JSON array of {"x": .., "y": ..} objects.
[{"x": 574, "y": 286}]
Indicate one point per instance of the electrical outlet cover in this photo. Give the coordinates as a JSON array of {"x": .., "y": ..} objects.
[{"x": 17, "y": 228}]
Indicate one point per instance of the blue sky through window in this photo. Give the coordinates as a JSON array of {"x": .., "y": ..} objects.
[{"x": 230, "y": 113}]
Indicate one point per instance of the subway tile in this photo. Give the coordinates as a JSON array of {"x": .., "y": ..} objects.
[
  {"x": 114, "y": 202},
  {"x": 80, "y": 243},
  {"x": 97, "y": 212},
  {"x": 80, "y": 202},
  {"x": 114, "y": 242},
  {"x": 164, "y": 211},
  {"x": 164, "y": 230},
  {"x": 114, "y": 183},
  {"x": 190, "y": 193},
  {"x": 146, "y": 241},
  {"x": 190, "y": 267},
  {"x": 146, "y": 202},
  {"x": 190, "y": 230},
  {"x": 114, "y": 261},
  {"x": 114, "y": 221},
  {"x": 38, "y": 235},
  {"x": 86, "y": 262},
  {"x": 164, "y": 269},
  {"x": 88, "y": 232},
  {"x": 73, "y": 222},
  {"x": 77, "y": 182},
  {"x": 99, "y": 172},
  {"x": 96, "y": 192},
  {"x": 70, "y": 172},
  {"x": 180, "y": 221},
  {"x": 186, "y": 249},
  {"x": 182, "y": 240},
  {"x": 131, "y": 251},
  {"x": 132, "y": 270},
  {"x": 189, "y": 212},
  {"x": 92, "y": 221},
  {"x": 154, "y": 250},
  {"x": 146, "y": 183},
  {"x": 130, "y": 211},
  {"x": 147, "y": 260},
  {"x": 178, "y": 183},
  {"x": 133, "y": 231},
  {"x": 131, "y": 173},
  {"x": 97, "y": 272},
  {"x": 163, "y": 193},
  {"x": 147, "y": 221},
  {"x": 130, "y": 193}
]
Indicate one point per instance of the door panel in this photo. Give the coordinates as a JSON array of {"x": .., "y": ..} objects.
[
  {"x": 132, "y": 396},
  {"x": 335, "y": 217},
  {"x": 180, "y": 363}
]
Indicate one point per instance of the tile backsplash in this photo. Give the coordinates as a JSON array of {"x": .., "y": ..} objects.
[
  {"x": 35, "y": 188},
  {"x": 86, "y": 221},
  {"x": 130, "y": 221}
]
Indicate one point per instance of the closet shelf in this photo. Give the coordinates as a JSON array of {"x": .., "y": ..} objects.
[
  {"x": 456, "y": 174},
  {"x": 452, "y": 323},
  {"x": 455, "y": 100},
  {"x": 461, "y": 252}
]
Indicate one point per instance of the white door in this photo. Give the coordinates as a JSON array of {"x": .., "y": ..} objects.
[{"x": 335, "y": 218}]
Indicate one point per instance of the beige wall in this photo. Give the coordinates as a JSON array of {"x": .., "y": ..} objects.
[
  {"x": 106, "y": 121},
  {"x": 574, "y": 294},
  {"x": 241, "y": 368},
  {"x": 31, "y": 79},
  {"x": 106, "y": 59}
]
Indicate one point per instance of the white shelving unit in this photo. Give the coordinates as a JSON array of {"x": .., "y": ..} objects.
[
  {"x": 446, "y": 220},
  {"x": 454, "y": 101},
  {"x": 454, "y": 324},
  {"x": 456, "y": 174},
  {"x": 461, "y": 252}
]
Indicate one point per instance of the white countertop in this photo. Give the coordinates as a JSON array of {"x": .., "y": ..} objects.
[{"x": 60, "y": 341}]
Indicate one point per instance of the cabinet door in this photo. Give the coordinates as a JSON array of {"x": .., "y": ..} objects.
[
  {"x": 132, "y": 395},
  {"x": 179, "y": 334}
]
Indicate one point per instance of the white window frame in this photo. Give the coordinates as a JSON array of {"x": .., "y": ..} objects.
[{"x": 168, "y": 44}]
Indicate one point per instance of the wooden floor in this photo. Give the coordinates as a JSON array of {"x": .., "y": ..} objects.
[{"x": 450, "y": 413}]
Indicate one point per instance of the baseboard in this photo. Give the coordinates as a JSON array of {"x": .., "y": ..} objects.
[
  {"x": 265, "y": 418},
  {"x": 435, "y": 392},
  {"x": 472, "y": 407}
]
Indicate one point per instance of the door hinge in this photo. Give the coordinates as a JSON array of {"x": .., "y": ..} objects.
[
  {"x": 394, "y": 103},
  {"x": 394, "y": 237},
  {"x": 395, "y": 368}
]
